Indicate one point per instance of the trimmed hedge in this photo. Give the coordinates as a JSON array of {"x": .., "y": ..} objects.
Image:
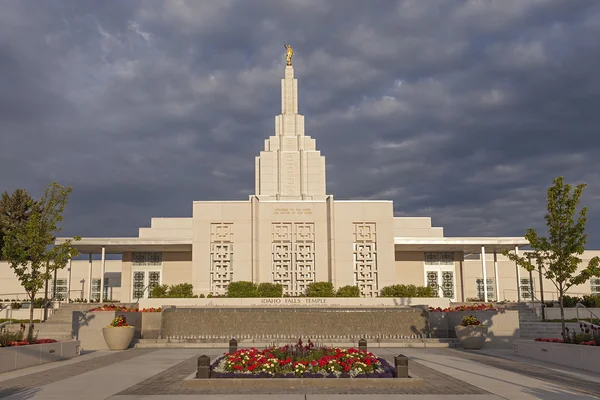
[
  {"x": 239, "y": 289},
  {"x": 180, "y": 291},
  {"x": 348, "y": 291},
  {"x": 407, "y": 291},
  {"x": 267, "y": 289},
  {"x": 320, "y": 289}
]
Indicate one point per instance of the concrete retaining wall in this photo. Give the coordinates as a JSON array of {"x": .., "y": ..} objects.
[
  {"x": 569, "y": 355},
  {"x": 292, "y": 322},
  {"x": 18, "y": 357},
  {"x": 570, "y": 313},
  {"x": 503, "y": 325},
  {"x": 321, "y": 302},
  {"x": 87, "y": 326}
]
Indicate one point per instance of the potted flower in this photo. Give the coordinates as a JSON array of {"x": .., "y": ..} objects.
[
  {"x": 471, "y": 333},
  {"x": 118, "y": 335}
]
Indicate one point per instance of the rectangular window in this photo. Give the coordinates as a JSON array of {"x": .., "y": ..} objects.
[
  {"x": 147, "y": 258},
  {"x": 95, "y": 290},
  {"x": 526, "y": 288},
  {"x": 439, "y": 258},
  {"x": 490, "y": 289},
  {"x": 60, "y": 292},
  {"x": 595, "y": 285}
]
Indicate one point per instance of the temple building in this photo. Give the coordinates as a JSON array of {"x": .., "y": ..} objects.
[{"x": 293, "y": 232}]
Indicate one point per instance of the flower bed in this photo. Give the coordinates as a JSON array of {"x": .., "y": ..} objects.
[
  {"x": 474, "y": 307},
  {"x": 24, "y": 342},
  {"x": 301, "y": 362},
  {"x": 113, "y": 307}
]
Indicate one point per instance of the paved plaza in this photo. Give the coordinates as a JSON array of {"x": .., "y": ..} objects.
[{"x": 159, "y": 373}]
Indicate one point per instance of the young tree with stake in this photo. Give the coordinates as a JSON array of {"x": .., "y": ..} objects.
[{"x": 557, "y": 256}]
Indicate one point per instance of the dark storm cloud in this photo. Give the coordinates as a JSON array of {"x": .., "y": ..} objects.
[{"x": 459, "y": 110}]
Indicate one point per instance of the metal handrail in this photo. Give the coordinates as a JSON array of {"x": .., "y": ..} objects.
[
  {"x": 592, "y": 315},
  {"x": 137, "y": 300}
]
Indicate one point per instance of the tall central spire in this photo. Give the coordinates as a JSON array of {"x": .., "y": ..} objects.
[{"x": 290, "y": 167}]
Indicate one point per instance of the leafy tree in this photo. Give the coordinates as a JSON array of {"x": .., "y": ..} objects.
[
  {"x": 267, "y": 289},
  {"x": 242, "y": 289},
  {"x": 320, "y": 289},
  {"x": 15, "y": 210},
  {"x": 557, "y": 256},
  {"x": 29, "y": 248},
  {"x": 348, "y": 291}
]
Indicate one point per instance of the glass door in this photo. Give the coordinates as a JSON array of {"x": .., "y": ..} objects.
[
  {"x": 442, "y": 279},
  {"x": 143, "y": 281}
]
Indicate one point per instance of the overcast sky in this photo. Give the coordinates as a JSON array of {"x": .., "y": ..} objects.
[{"x": 459, "y": 110}]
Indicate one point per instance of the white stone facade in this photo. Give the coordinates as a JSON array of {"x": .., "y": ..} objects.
[{"x": 292, "y": 232}]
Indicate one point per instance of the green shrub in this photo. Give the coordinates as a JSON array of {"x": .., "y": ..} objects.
[
  {"x": 591, "y": 301},
  {"x": 348, "y": 291},
  {"x": 159, "y": 291},
  {"x": 267, "y": 289},
  {"x": 320, "y": 289},
  {"x": 179, "y": 291},
  {"x": 239, "y": 289},
  {"x": 571, "y": 301},
  {"x": 6, "y": 337},
  {"x": 202, "y": 296},
  {"x": 407, "y": 291}
]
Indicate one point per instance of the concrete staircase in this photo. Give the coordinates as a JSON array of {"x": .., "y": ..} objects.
[
  {"x": 60, "y": 320},
  {"x": 531, "y": 325},
  {"x": 59, "y": 323}
]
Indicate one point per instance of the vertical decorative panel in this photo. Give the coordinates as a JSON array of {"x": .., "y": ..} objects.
[
  {"x": 138, "y": 284},
  {"x": 365, "y": 258},
  {"x": 293, "y": 257},
  {"x": 221, "y": 257},
  {"x": 432, "y": 282}
]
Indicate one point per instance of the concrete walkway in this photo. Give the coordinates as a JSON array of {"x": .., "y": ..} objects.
[{"x": 157, "y": 374}]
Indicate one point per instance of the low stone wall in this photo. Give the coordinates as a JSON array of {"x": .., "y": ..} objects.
[
  {"x": 17, "y": 357},
  {"x": 87, "y": 326},
  {"x": 207, "y": 323},
  {"x": 569, "y": 355},
  {"x": 571, "y": 313},
  {"x": 503, "y": 325},
  {"x": 321, "y": 302}
]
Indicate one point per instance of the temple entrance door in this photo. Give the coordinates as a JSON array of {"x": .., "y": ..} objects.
[{"x": 442, "y": 279}]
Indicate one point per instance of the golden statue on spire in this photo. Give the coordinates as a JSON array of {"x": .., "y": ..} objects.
[{"x": 289, "y": 52}]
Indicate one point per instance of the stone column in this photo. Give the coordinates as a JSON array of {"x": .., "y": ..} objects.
[
  {"x": 496, "y": 281},
  {"x": 69, "y": 280},
  {"x": 484, "y": 269},
  {"x": 90, "y": 280},
  {"x": 103, "y": 267},
  {"x": 518, "y": 276}
]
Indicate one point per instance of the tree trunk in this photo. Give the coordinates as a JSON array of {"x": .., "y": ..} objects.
[
  {"x": 30, "y": 330},
  {"x": 46, "y": 296},
  {"x": 562, "y": 312}
]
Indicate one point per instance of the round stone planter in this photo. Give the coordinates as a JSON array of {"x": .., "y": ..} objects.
[
  {"x": 471, "y": 337},
  {"x": 118, "y": 338}
]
